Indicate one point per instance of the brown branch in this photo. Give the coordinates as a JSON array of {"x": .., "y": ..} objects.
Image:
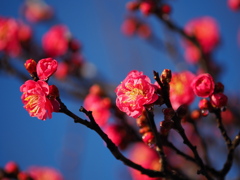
[
  {"x": 228, "y": 164},
  {"x": 227, "y": 139},
  {"x": 159, "y": 145}
]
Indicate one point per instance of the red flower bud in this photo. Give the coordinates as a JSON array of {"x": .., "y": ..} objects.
[
  {"x": 219, "y": 87},
  {"x": 132, "y": 5},
  {"x": 203, "y": 104},
  {"x": 166, "y": 76},
  {"x": 146, "y": 8},
  {"x": 165, "y": 9},
  {"x": 30, "y": 66},
  {"x": 53, "y": 92},
  {"x": 148, "y": 137},
  {"x": 11, "y": 167},
  {"x": 218, "y": 100}
]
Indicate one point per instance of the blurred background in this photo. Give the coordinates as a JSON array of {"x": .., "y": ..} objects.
[{"x": 71, "y": 148}]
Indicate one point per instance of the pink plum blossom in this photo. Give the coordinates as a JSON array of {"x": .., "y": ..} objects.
[
  {"x": 180, "y": 89},
  {"x": 134, "y": 93},
  {"x": 203, "y": 85},
  {"x": 99, "y": 106},
  {"x": 36, "y": 101},
  {"x": 46, "y": 67},
  {"x": 55, "y": 41},
  {"x": 44, "y": 173},
  {"x": 234, "y": 4},
  {"x": 147, "y": 158}
]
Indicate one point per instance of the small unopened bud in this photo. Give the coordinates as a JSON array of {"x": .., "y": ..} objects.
[
  {"x": 166, "y": 76},
  {"x": 30, "y": 66},
  {"x": 195, "y": 114},
  {"x": 218, "y": 100},
  {"x": 144, "y": 129},
  {"x": 168, "y": 113},
  {"x": 165, "y": 9},
  {"x": 219, "y": 88},
  {"x": 11, "y": 167},
  {"x": 95, "y": 89},
  {"x": 132, "y": 5},
  {"x": 141, "y": 121},
  {"x": 204, "y": 104},
  {"x": 53, "y": 92},
  {"x": 182, "y": 111},
  {"x": 165, "y": 126},
  {"x": 147, "y": 8},
  {"x": 148, "y": 137}
]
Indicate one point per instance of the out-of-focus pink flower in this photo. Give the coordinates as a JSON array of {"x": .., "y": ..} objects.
[
  {"x": 36, "y": 11},
  {"x": 35, "y": 99},
  {"x": 116, "y": 133},
  {"x": 146, "y": 157},
  {"x": 203, "y": 85},
  {"x": 144, "y": 31},
  {"x": 218, "y": 100},
  {"x": 46, "y": 67},
  {"x": 62, "y": 70},
  {"x": 9, "y": 36},
  {"x": 206, "y": 30},
  {"x": 147, "y": 7},
  {"x": 55, "y": 41},
  {"x": 134, "y": 93},
  {"x": 180, "y": 89},
  {"x": 234, "y": 4},
  {"x": 129, "y": 26},
  {"x": 44, "y": 173},
  {"x": 100, "y": 108},
  {"x": 192, "y": 54},
  {"x": 24, "y": 32},
  {"x": 132, "y": 26},
  {"x": 11, "y": 167}
]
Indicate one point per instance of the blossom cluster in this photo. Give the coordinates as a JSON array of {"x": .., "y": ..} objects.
[
  {"x": 205, "y": 30},
  {"x": 39, "y": 98},
  {"x": 13, "y": 171},
  {"x": 13, "y": 34}
]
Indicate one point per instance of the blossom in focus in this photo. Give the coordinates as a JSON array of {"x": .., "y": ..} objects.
[
  {"x": 44, "y": 173},
  {"x": 99, "y": 106},
  {"x": 36, "y": 11},
  {"x": 180, "y": 89},
  {"x": 134, "y": 93},
  {"x": 234, "y": 4},
  {"x": 203, "y": 85},
  {"x": 36, "y": 101},
  {"x": 55, "y": 41},
  {"x": 206, "y": 31},
  {"x": 46, "y": 67},
  {"x": 147, "y": 158}
]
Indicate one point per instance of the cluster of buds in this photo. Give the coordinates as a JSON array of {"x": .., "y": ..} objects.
[
  {"x": 12, "y": 171},
  {"x": 205, "y": 87},
  {"x": 148, "y": 7},
  {"x": 132, "y": 26},
  {"x": 39, "y": 98},
  {"x": 145, "y": 130},
  {"x": 167, "y": 123}
]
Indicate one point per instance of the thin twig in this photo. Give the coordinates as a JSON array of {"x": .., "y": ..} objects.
[{"x": 227, "y": 139}]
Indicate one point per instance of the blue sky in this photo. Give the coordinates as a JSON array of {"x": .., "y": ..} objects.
[{"x": 72, "y": 148}]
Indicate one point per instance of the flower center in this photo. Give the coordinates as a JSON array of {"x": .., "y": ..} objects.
[{"x": 32, "y": 103}]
